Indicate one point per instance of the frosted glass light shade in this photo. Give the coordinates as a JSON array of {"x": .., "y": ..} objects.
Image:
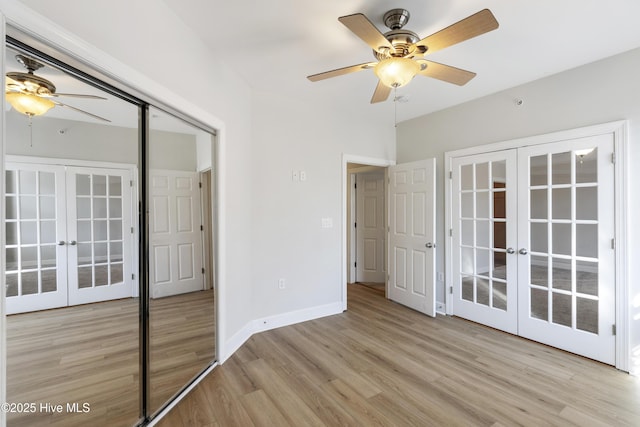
[
  {"x": 31, "y": 105},
  {"x": 396, "y": 72}
]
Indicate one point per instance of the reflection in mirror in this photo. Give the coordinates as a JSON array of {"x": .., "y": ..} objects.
[
  {"x": 181, "y": 254},
  {"x": 73, "y": 311}
]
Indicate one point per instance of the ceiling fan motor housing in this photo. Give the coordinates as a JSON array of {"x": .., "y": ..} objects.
[{"x": 403, "y": 41}]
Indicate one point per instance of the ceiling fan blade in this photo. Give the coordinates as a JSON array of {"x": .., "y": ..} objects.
[
  {"x": 341, "y": 71},
  {"x": 81, "y": 111},
  {"x": 447, "y": 73},
  {"x": 381, "y": 93},
  {"x": 77, "y": 95},
  {"x": 470, "y": 27},
  {"x": 363, "y": 28}
]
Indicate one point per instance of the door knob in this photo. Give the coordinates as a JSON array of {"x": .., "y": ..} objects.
[
  {"x": 72, "y": 242},
  {"x": 511, "y": 251},
  {"x": 523, "y": 251},
  {"x": 430, "y": 245},
  {"x": 61, "y": 243}
]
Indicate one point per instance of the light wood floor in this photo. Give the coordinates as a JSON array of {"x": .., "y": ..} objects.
[
  {"x": 382, "y": 364},
  {"x": 89, "y": 353}
]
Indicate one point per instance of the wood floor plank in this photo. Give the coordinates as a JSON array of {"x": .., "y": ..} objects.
[{"x": 380, "y": 363}]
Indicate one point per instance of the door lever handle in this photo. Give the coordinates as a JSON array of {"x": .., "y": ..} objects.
[{"x": 430, "y": 245}]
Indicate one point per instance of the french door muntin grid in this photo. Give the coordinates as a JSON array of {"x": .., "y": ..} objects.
[
  {"x": 30, "y": 232},
  {"x": 549, "y": 216},
  {"x": 478, "y": 221},
  {"x": 99, "y": 223}
]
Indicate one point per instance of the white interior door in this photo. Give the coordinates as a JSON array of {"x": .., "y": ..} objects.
[
  {"x": 412, "y": 235},
  {"x": 36, "y": 266},
  {"x": 566, "y": 259},
  {"x": 370, "y": 228},
  {"x": 484, "y": 207},
  {"x": 99, "y": 234},
  {"x": 175, "y": 233}
]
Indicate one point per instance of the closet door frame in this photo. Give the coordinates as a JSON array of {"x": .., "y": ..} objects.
[{"x": 619, "y": 130}]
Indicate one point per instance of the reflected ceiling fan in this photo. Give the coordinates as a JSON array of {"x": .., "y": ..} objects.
[
  {"x": 33, "y": 95},
  {"x": 400, "y": 52}
]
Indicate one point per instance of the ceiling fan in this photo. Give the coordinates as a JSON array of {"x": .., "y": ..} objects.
[
  {"x": 399, "y": 52},
  {"x": 33, "y": 95}
]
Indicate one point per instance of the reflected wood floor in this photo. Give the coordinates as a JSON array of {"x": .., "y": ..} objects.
[
  {"x": 89, "y": 353},
  {"x": 382, "y": 364}
]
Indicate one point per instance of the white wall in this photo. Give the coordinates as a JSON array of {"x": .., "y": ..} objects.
[
  {"x": 600, "y": 92},
  {"x": 78, "y": 141},
  {"x": 288, "y": 240}
]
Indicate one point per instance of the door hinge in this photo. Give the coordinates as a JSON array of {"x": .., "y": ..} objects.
[
  {"x": 355, "y": 225},
  {"x": 131, "y": 183},
  {"x": 203, "y": 270},
  {"x": 355, "y": 264},
  {"x": 132, "y": 230},
  {"x": 613, "y": 157},
  {"x": 199, "y": 185},
  {"x": 450, "y": 289},
  {"x": 355, "y": 185},
  {"x": 613, "y": 243},
  {"x": 450, "y": 174},
  {"x": 451, "y": 232},
  {"x": 613, "y": 329},
  {"x": 133, "y": 277},
  {"x": 202, "y": 228}
]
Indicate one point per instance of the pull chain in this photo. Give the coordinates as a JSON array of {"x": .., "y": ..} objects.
[
  {"x": 395, "y": 106},
  {"x": 30, "y": 130}
]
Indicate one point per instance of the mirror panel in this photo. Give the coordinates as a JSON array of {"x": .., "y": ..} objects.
[
  {"x": 181, "y": 288},
  {"x": 64, "y": 242}
]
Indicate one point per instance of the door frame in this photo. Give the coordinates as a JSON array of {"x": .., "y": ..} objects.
[
  {"x": 619, "y": 130},
  {"x": 346, "y": 194}
]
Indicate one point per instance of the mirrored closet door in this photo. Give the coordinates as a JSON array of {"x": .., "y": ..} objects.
[{"x": 110, "y": 244}]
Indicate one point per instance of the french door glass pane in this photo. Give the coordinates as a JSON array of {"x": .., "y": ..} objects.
[
  {"x": 569, "y": 238},
  {"x": 483, "y": 233},
  {"x": 30, "y": 232},
  {"x": 99, "y": 229}
]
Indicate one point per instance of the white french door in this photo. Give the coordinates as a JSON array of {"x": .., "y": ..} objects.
[
  {"x": 68, "y": 236},
  {"x": 485, "y": 227},
  {"x": 175, "y": 233},
  {"x": 370, "y": 228},
  {"x": 98, "y": 234},
  {"x": 566, "y": 258},
  {"x": 532, "y": 243},
  {"x": 412, "y": 235}
]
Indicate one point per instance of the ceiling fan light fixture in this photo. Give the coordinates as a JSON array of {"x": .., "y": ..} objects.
[
  {"x": 29, "y": 104},
  {"x": 396, "y": 72}
]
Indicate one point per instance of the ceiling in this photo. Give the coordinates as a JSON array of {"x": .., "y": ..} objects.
[{"x": 274, "y": 45}]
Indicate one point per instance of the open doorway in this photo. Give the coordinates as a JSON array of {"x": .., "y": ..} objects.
[
  {"x": 367, "y": 226},
  {"x": 373, "y": 171}
]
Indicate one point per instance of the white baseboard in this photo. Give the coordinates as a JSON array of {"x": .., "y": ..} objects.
[
  {"x": 235, "y": 342},
  {"x": 277, "y": 321},
  {"x": 292, "y": 317}
]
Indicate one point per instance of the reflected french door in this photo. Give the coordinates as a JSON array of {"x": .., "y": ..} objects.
[
  {"x": 68, "y": 238},
  {"x": 551, "y": 277}
]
